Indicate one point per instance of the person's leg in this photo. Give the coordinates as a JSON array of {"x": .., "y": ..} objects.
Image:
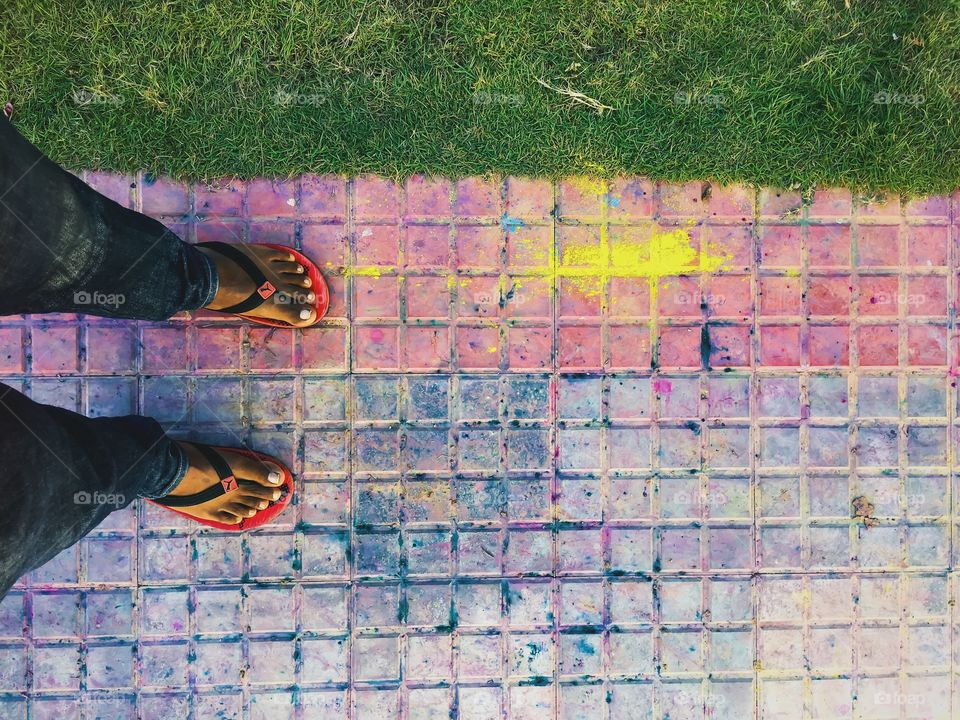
[
  {"x": 63, "y": 473},
  {"x": 67, "y": 248},
  {"x": 61, "y": 243}
]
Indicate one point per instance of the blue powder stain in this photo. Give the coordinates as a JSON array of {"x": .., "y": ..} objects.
[
  {"x": 510, "y": 224},
  {"x": 612, "y": 200},
  {"x": 585, "y": 647}
]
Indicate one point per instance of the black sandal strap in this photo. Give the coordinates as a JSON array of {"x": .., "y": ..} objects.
[
  {"x": 264, "y": 287},
  {"x": 227, "y": 482}
]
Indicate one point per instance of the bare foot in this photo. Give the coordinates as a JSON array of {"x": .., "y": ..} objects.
[
  {"x": 258, "y": 485},
  {"x": 293, "y": 301}
]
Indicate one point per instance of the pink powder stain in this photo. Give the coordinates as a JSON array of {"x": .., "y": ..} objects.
[
  {"x": 662, "y": 386},
  {"x": 376, "y": 335}
]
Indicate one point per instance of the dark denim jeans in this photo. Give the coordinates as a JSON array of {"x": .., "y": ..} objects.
[{"x": 66, "y": 248}]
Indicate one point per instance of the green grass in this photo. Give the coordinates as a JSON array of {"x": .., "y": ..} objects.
[{"x": 782, "y": 92}]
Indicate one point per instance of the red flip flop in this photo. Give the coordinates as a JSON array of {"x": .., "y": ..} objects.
[
  {"x": 229, "y": 483},
  {"x": 265, "y": 289}
]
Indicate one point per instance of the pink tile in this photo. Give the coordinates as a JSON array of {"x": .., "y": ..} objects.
[
  {"x": 581, "y": 197},
  {"x": 829, "y": 295},
  {"x": 829, "y": 245},
  {"x": 11, "y": 350},
  {"x": 927, "y": 345},
  {"x": 933, "y": 206},
  {"x": 782, "y": 204},
  {"x": 428, "y": 297},
  {"x": 111, "y": 349},
  {"x": 478, "y": 296},
  {"x": 325, "y": 245},
  {"x": 729, "y": 345},
  {"x": 118, "y": 188},
  {"x": 679, "y": 347},
  {"x": 780, "y": 345},
  {"x": 630, "y": 347},
  {"x": 927, "y": 245},
  {"x": 478, "y": 246},
  {"x": 690, "y": 200},
  {"x": 218, "y": 348},
  {"x": 877, "y": 345},
  {"x": 878, "y": 295},
  {"x": 530, "y": 347},
  {"x": 926, "y": 295},
  {"x": 219, "y": 198},
  {"x": 630, "y": 199},
  {"x": 376, "y": 347},
  {"x": 530, "y": 246},
  {"x": 878, "y": 245},
  {"x": 578, "y": 348},
  {"x": 271, "y": 348},
  {"x": 477, "y": 197},
  {"x": 375, "y": 199},
  {"x": 376, "y": 297},
  {"x": 428, "y": 197},
  {"x": 529, "y": 198},
  {"x": 831, "y": 203},
  {"x": 376, "y": 245},
  {"x": 323, "y": 197},
  {"x": 274, "y": 233},
  {"x": 324, "y": 348},
  {"x": 272, "y": 197},
  {"x": 576, "y": 298},
  {"x": 478, "y": 347},
  {"x": 732, "y": 202},
  {"x": 728, "y": 296},
  {"x": 427, "y": 246},
  {"x": 163, "y": 196},
  {"x": 882, "y": 206},
  {"x": 678, "y": 297},
  {"x": 212, "y": 231},
  {"x": 780, "y": 245},
  {"x": 165, "y": 349},
  {"x": 427, "y": 348},
  {"x": 629, "y": 297},
  {"x": 779, "y": 296},
  {"x": 829, "y": 345}
]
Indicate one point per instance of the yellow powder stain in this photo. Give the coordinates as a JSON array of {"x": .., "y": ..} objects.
[
  {"x": 492, "y": 349},
  {"x": 374, "y": 271},
  {"x": 586, "y": 185},
  {"x": 663, "y": 255}
]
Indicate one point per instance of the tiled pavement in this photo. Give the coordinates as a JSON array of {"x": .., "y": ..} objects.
[{"x": 524, "y": 493}]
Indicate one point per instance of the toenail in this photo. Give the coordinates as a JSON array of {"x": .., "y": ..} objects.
[
  {"x": 299, "y": 268},
  {"x": 276, "y": 495},
  {"x": 307, "y": 282},
  {"x": 262, "y": 505},
  {"x": 311, "y": 297},
  {"x": 305, "y": 314},
  {"x": 273, "y": 477},
  {"x": 251, "y": 513}
]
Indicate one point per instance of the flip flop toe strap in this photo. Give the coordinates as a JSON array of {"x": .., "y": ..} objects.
[
  {"x": 265, "y": 288},
  {"x": 227, "y": 482}
]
